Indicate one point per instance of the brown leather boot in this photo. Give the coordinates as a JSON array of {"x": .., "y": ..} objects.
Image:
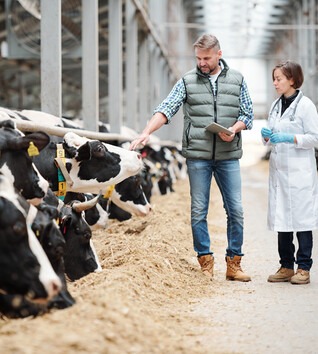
[
  {"x": 234, "y": 270},
  {"x": 207, "y": 263},
  {"x": 301, "y": 277},
  {"x": 282, "y": 275}
]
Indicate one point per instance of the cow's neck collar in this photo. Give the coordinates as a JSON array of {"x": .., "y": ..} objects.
[{"x": 63, "y": 176}]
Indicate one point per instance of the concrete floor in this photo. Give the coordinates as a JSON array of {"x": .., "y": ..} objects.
[{"x": 259, "y": 317}]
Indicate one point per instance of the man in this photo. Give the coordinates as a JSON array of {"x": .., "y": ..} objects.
[{"x": 212, "y": 92}]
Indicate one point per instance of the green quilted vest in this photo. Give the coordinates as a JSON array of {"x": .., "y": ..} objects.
[{"x": 202, "y": 108}]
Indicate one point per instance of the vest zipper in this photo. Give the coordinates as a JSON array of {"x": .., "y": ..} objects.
[{"x": 215, "y": 119}]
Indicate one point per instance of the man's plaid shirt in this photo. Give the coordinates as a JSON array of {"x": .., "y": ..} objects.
[{"x": 170, "y": 106}]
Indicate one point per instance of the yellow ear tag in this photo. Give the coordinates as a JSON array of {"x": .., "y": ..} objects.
[{"x": 32, "y": 149}]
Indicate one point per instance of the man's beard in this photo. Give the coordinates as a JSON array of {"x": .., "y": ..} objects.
[{"x": 209, "y": 72}]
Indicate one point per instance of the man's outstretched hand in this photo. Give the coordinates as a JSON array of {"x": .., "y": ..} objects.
[{"x": 141, "y": 140}]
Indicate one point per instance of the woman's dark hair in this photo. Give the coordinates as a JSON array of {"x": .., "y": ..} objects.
[{"x": 291, "y": 70}]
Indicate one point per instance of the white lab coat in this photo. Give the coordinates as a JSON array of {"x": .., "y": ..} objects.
[{"x": 293, "y": 183}]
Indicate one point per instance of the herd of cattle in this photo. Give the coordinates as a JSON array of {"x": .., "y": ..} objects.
[{"x": 53, "y": 193}]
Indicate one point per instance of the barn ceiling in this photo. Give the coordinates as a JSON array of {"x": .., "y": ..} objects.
[{"x": 245, "y": 28}]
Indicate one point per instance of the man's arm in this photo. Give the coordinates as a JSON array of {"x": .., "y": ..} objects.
[
  {"x": 156, "y": 122},
  {"x": 163, "y": 114},
  {"x": 246, "y": 114}
]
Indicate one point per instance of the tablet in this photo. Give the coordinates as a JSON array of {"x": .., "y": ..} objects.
[{"x": 217, "y": 128}]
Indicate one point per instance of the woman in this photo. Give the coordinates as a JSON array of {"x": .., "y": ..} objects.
[{"x": 293, "y": 187}]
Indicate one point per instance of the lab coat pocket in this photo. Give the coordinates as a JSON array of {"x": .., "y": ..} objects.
[{"x": 299, "y": 173}]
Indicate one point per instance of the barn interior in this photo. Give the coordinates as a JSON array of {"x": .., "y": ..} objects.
[{"x": 114, "y": 61}]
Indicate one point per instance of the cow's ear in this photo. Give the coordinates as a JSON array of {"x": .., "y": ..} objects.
[
  {"x": 49, "y": 210},
  {"x": 39, "y": 139},
  {"x": 84, "y": 152},
  {"x": 9, "y": 123},
  {"x": 71, "y": 150},
  {"x": 64, "y": 223}
]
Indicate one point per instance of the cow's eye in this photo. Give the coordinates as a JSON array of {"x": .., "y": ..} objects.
[
  {"x": 19, "y": 228},
  {"x": 99, "y": 150}
]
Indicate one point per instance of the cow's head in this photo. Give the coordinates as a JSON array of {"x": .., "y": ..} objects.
[
  {"x": 96, "y": 216},
  {"x": 24, "y": 267},
  {"x": 130, "y": 196},
  {"x": 16, "y": 161},
  {"x": 80, "y": 257},
  {"x": 95, "y": 165},
  {"x": 48, "y": 233}
]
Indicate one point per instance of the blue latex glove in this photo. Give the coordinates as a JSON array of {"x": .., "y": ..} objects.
[
  {"x": 282, "y": 138},
  {"x": 266, "y": 132}
]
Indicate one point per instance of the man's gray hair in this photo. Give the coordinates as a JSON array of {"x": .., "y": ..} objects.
[{"x": 207, "y": 41}]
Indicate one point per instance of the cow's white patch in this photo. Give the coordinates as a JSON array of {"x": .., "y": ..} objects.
[
  {"x": 40, "y": 117},
  {"x": 51, "y": 282},
  {"x": 99, "y": 267},
  {"x": 130, "y": 206},
  {"x": 102, "y": 222},
  {"x": 7, "y": 191}
]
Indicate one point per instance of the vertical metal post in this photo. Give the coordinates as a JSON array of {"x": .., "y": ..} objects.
[
  {"x": 51, "y": 57},
  {"x": 305, "y": 39},
  {"x": 144, "y": 81},
  {"x": 115, "y": 68},
  {"x": 131, "y": 65},
  {"x": 312, "y": 46},
  {"x": 90, "y": 65}
]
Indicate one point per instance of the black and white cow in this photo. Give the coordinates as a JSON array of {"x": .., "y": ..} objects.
[
  {"x": 91, "y": 165},
  {"x": 24, "y": 267},
  {"x": 16, "y": 161},
  {"x": 129, "y": 196},
  {"x": 164, "y": 165},
  {"x": 96, "y": 216},
  {"x": 80, "y": 256},
  {"x": 48, "y": 233},
  {"x": 120, "y": 202}
]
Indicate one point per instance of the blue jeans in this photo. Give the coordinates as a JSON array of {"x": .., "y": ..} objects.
[
  {"x": 228, "y": 178},
  {"x": 286, "y": 249}
]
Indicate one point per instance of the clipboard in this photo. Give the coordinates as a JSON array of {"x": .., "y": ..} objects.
[{"x": 217, "y": 128}]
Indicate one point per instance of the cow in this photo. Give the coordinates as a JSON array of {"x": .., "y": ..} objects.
[
  {"x": 16, "y": 160},
  {"x": 129, "y": 196},
  {"x": 164, "y": 165},
  {"x": 90, "y": 165},
  {"x": 96, "y": 216},
  {"x": 119, "y": 202},
  {"x": 70, "y": 253},
  {"x": 24, "y": 267},
  {"x": 48, "y": 233},
  {"x": 80, "y": 257},
  {"x": 147, "y": 184},
  {"x": 51, "y": 239},
  {"x": 39, "y": 117}
]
